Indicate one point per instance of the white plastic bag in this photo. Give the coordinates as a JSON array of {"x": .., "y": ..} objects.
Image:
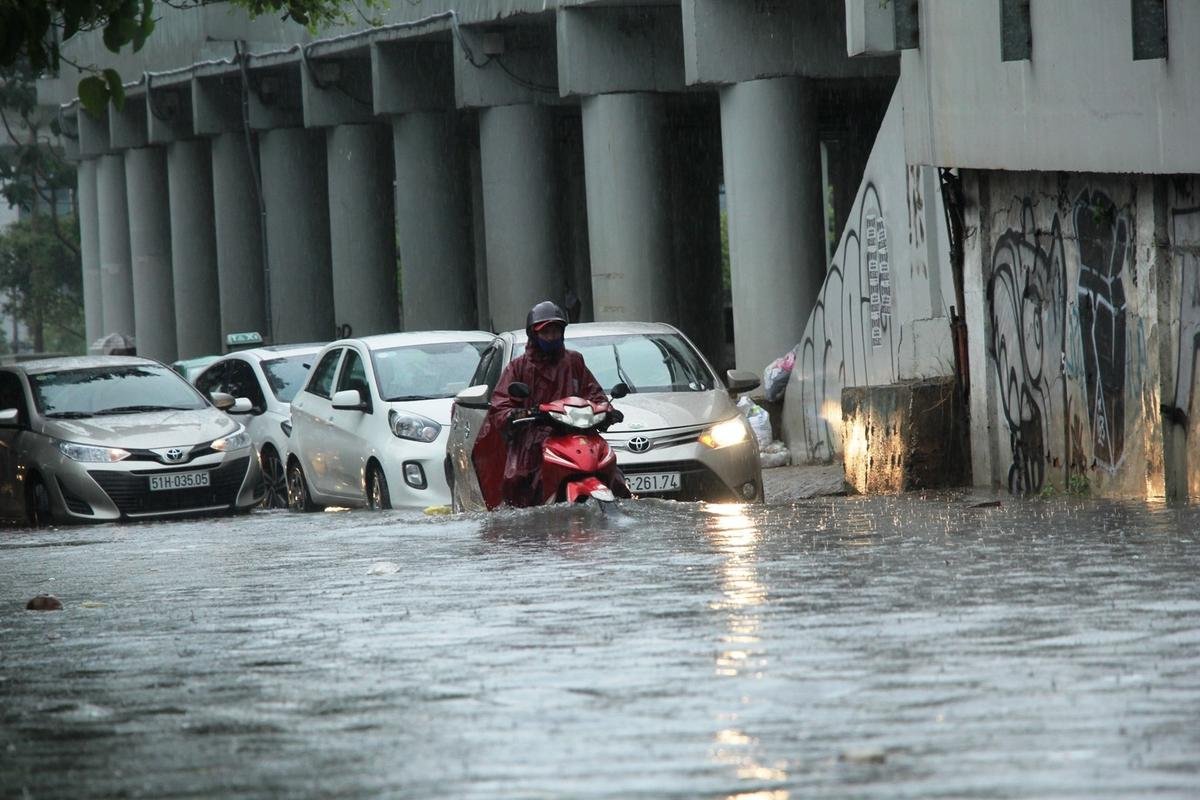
[
  {"x": 775, "y": 455},
  {"x": 776, "y": 375},
  {"x": 760, "y": 421}
]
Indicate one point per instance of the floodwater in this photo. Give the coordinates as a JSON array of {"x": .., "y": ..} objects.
[{"x": 851, "y": 647}]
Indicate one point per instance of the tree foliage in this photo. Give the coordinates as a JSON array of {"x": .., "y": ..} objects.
[{"x": 31, "y": 32}]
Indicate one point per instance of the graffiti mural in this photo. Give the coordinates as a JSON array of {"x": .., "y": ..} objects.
[
  {"x": 1027, "y": 301},
  {"x": 1104, "y": 239},
  {"x": 1185, "y": 240}
]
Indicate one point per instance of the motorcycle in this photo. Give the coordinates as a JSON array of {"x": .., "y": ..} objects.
[{"x": 576, "y": 461}]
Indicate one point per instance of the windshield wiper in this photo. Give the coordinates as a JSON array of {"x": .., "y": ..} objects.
[
  {"x": 621, "y": 372},
  {"x": 402, "y": 398},
  {"x": 136, "y": 409},
  {"x": 68, "y": 414}
]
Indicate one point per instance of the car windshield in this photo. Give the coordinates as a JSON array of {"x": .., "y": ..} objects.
[
  {"x": 286, "y": 375},
  {"x": 646, "y": 362},
  {"x": 425, "y": 371},
  {"x": 125, "y": 389}
]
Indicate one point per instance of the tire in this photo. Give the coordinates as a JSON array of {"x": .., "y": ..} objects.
[
  {"x": 275, "y": 479},
  {"x": 298, "y": 497},
  {"x": 378, "y": 497},
  {"x": 37, "y": 503}
]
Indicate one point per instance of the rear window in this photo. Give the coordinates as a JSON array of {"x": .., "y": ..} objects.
[
  {"x": 125, "y": 389},
  {"x": 655, "y": 362}
]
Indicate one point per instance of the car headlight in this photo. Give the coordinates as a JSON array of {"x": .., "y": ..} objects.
[
  {"x": 88, "y": 452},
  {"x": 413, "y": 426},
  {"x": 724, "y": 434},
  {"x": 234, "y": 441}
]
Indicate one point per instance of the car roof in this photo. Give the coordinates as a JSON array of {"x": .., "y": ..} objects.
[
  {"x": 82, "y": 362},
  {"x": 275, "y": 351},
  {"x": 385, "y": 340},
  {"x": 581, "y": 330}
]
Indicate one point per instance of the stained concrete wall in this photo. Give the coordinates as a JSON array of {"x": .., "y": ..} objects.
[
  {"x": 882, "y": 314},
  {"x": 1063, "y": 272},
  {"x": 1179, "y": 304}
]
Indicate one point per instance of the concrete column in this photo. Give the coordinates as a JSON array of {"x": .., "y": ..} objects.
[
  {"x": 150, "y": 252},
  {"x": 433, "y": 223},
  {"x": 194, "y": 248},
  {"x": 773, "y": 190},
  {"x": 362, "y": 236},
  {"x": 89, "y": 250},
  {"x": 296, "y": 192},
  {"x": 238, "y": 230},
  {"x": 519, "y": 206},
  {"x": 629, "y": 231},
  {"x": 479, "y": 238},
  {"x": 116, "y": 276}
]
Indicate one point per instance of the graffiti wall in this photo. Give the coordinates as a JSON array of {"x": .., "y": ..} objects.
[
  {"x": 1071, "y": 332},
  {"x": 1181, "y": 404},
  {"x": 890, "y": 268}
]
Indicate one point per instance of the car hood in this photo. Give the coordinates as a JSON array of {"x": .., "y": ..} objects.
[
  {"x": 437, "y": 410},
  {"x": 656, "y": 411},
  {"x": 144, "y": 430}
]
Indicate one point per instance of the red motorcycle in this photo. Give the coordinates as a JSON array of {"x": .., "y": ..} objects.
[{"x": 576, "y": 461}]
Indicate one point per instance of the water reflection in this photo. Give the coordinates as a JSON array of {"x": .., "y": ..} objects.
[{"x": 735, "y": 537}]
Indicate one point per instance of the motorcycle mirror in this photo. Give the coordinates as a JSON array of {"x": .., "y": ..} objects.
[
  {"x": 518, "y": 390},
  {"x": 619, "y": 391}
]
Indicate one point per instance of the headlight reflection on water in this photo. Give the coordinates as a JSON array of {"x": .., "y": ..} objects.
[{"x": 735, "y": 536}]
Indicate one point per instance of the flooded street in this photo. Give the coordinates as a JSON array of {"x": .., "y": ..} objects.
[{"x": 856, "y": 647}]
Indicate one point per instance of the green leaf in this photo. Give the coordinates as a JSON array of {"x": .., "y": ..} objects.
[
  {"x": 93, "y": 93},
  {"x": 113, "y": 78}
]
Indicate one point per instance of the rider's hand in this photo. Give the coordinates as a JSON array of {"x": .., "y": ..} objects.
[
  {"x": 614, "y": 416},
  {"x": 520, "y": 413}
]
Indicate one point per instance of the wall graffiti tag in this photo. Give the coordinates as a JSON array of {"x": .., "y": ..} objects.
[
  {"x": 879, "y": 277},
  {"x": 1105, "y": 247},
  {"x": 1027, "y": 303}
]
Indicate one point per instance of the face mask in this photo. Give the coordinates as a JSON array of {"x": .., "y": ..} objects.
[{"x": 548, "y": 347}]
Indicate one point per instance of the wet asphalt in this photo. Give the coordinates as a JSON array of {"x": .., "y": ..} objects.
[{"x": 837, "y": 647}]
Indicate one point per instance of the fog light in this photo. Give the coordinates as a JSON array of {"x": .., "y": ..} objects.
[
  {"x": 749, "y": 490},
  {"x": 414, "y": 476}
]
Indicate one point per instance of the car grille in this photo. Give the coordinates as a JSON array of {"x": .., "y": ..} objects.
[
  {"x": 655, "y": 440},
  {"x": 696, "y": 481},
  {"x": 130, "y": 491}
]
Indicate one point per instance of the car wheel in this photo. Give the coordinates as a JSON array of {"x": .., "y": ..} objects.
[
  {"x": 378, "y": 497},
  {"x": 275, "y": 479},
  {"x": 297, "y": 490},
  {"x": 37, "y": 503}
]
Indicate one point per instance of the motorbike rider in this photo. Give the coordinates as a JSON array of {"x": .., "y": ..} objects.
[{"x": 551, "y": 372}]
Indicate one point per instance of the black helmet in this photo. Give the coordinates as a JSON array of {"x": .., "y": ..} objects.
[{"x": 543, "y": 312}]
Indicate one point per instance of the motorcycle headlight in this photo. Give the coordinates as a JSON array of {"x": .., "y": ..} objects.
[
  {"x": 91, "y": 453},
  {"x": 725, "y": 434},
  {"x": 234, "y": 441},
  {"x": 413, "y": 426}
]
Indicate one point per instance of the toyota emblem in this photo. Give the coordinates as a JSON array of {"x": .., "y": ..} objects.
[
  {"x": 174, "y": 454},
  {"x": 639, "y": 444}
]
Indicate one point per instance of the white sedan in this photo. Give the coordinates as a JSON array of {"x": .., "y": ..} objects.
[
  {"x": 369, "y": 427},
  {"x": 269, "y": 378}
]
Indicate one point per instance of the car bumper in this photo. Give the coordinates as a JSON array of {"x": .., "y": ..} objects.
[
  {"x": 94, "y": 492},
  {"x": 430, "y": 459},
  {"x": 727, "y": 474}
]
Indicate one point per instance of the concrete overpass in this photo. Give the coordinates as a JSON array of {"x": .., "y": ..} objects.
[{"x": 259, "y": 178}]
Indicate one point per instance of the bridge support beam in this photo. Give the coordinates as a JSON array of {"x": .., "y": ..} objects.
[
  {"x": 362, "y": 239},
  {"x": 116, "y": 286},
  {"x": 150, "y": 252},
  {"x": 194, "y": 248}
]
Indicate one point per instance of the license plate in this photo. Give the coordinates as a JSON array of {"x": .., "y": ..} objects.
[
  {"x": 178, "y": 480},
  {"x": 653, "y": 482}
]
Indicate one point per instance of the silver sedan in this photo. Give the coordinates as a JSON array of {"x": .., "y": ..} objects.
[{"x": 116, "y": 437}]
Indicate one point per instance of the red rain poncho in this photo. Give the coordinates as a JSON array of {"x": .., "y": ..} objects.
[{"x": 508, "y": 459}]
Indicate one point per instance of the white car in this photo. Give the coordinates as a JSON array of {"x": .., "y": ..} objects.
[
  {"x": 269, "y": 378},
  {"x": 369, "y": 427}
]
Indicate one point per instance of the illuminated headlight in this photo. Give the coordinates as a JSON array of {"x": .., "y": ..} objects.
[
  {"x": 413, "y": 426},
  {"x": 578, "y": 417},
  {"x": 724, "y": 434},
  {"x": 234, "y": 441},
  {"x": 87, "y": 452}
]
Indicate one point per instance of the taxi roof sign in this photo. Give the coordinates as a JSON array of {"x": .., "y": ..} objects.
[{"x": 243, "y": 339}]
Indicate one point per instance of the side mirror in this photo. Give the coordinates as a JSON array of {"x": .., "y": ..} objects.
[
  {"x": 473, "y": 396},
  {"x": 348, "y": 400},
  {"x": 740, "y": 380},
  {"x": 223, "y": 401},
  {"x": 241, "y": 406},
  {"x": 619, "y": 391},
  {"x": 518, "y": 390},
  {"x": 10, "y": 418}
]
